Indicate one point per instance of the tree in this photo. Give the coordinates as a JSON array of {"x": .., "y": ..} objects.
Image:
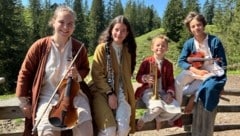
[
  {"x": 190, "y": 5},
  {"x": 172, "y": 19},
  {"x": 96, "y": 24},
  {"x": 233, "y": 35},
  {"x": 80, "y": 28},
  {"x": 35, "y": 9},
  {"x": 44, "y": 29},
  {"x": 13, "y": 42},
  {"x": 208, "y": 11},
  {"x": 117, "y": 8}
]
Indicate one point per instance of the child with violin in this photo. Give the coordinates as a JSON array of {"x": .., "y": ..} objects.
[
  {"x": 48, "y": 82},
  {"x": 158, "y": 90},
  {"x": 203, "y": 60},
  {"x": 112, "y": 68}
]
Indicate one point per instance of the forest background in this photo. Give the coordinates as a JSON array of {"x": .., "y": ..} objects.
[{"x": 20, "y": 26}]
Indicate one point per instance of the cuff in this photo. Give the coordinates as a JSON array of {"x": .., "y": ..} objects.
[
  {"x": 23, "y": 101},
  {"x": 144, "y": 79}
]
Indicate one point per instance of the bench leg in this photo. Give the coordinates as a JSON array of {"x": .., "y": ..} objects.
[{"x": 203, "y": 121}]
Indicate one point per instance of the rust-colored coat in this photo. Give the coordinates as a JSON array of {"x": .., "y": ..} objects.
[
  {"x": 33, "y": 69},
  {"x": 166, "y": 74}
]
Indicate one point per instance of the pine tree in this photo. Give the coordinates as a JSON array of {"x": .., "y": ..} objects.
[
  {"x": 117, "y": 8},
  {"x": 13, "y": 42},
  {"x": 131, "y": 14},
  {"x": 35, "y": 9},
  {"x": 44, "y": 29},
  {"x": 96, "y": 24},
  {"x": 191, "y": 5},
  {"x": 208, "y": 11},
  {"x": 80, "y": 24},
  {"x": 173, "y": 18}
]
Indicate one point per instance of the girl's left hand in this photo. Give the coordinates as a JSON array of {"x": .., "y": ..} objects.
[{"x": 74, "y": 73}]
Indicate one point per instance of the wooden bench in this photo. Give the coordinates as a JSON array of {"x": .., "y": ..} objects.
[{"x": 13, "y": 112}]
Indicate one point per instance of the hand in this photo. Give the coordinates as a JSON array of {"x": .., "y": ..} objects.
[
  {"x": 202, "y": 72},
  {"x": 74, "y": 74},
  {"x": 112, "y": 101},
  {"x": 199, "y": 72},
  {"x": 27, "y": 110},
  {"x": 149, "y": 79},
  {"x": 168, "y": 98}
]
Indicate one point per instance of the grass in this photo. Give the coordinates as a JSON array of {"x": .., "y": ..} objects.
[{"x": 7, "y": 96}]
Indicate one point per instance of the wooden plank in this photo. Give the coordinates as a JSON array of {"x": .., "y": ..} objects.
[
  {"x": 223, "y": 127},
  {"x": 228, "y": 108},
  {"x": 12, "y": 134},
  {"x": 182, "y": 134},
  {"x": 234, "y": 92},
  {"x": 10, "y": 112}
]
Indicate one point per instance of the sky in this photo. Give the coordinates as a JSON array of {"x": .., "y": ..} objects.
[{"x": 159, "y": 5}]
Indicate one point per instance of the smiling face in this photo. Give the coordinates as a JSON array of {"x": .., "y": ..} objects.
[
  {"x": 196, "y": 28},
  {"x": 159, "y": 47},
  {"x": 119, "y": 32},
  {"x": 63, "y": 24}
]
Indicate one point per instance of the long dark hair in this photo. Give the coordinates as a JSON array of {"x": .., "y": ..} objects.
[{"x": 129, "y": 41}]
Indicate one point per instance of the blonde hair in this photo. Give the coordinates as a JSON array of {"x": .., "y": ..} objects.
[
  {"x": 61, "y": 8},
  {"x": 162, "y": 37}
]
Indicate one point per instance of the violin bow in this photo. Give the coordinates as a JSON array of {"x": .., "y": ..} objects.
[{"x": 55, "y": 91}]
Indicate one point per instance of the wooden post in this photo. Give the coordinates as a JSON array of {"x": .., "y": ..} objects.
[
  {"x": 203, "y": 120},
  {"x": 2, "y": 80}
]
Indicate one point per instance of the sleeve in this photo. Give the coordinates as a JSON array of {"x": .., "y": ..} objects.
[
  {"x": 170, "y": 76},
  {"x": 143, "y": 70},
  {"x": 98, "y": 71},
  {"x": 182, "y": 61},
  {"x": 28, "y": 70}
]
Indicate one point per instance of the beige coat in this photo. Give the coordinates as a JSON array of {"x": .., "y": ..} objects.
[
  {"x": 103, "y": 115},
  {"x": 32, "y": 72}
]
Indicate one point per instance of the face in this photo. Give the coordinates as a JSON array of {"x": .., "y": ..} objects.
[
  {"x": 196, "y": 28},
  {"x": 119, "y": 32},
  {"x": 64, "y": 24},
  {"x": 159, "y": 47}
]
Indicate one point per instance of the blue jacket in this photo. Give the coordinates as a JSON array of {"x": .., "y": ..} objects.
[{"x": 210, "y": 89}]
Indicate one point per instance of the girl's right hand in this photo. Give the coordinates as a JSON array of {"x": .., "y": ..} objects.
[{"x": 200, "y": 72}]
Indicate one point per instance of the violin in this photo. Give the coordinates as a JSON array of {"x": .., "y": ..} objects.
[
  {"x": 61, "y": 116},
  {"x": 196, "y": 59},
  {"x": 64, "y": 114}
]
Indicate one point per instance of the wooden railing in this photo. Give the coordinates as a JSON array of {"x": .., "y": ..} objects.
[{"x": 14, "y": 112}]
